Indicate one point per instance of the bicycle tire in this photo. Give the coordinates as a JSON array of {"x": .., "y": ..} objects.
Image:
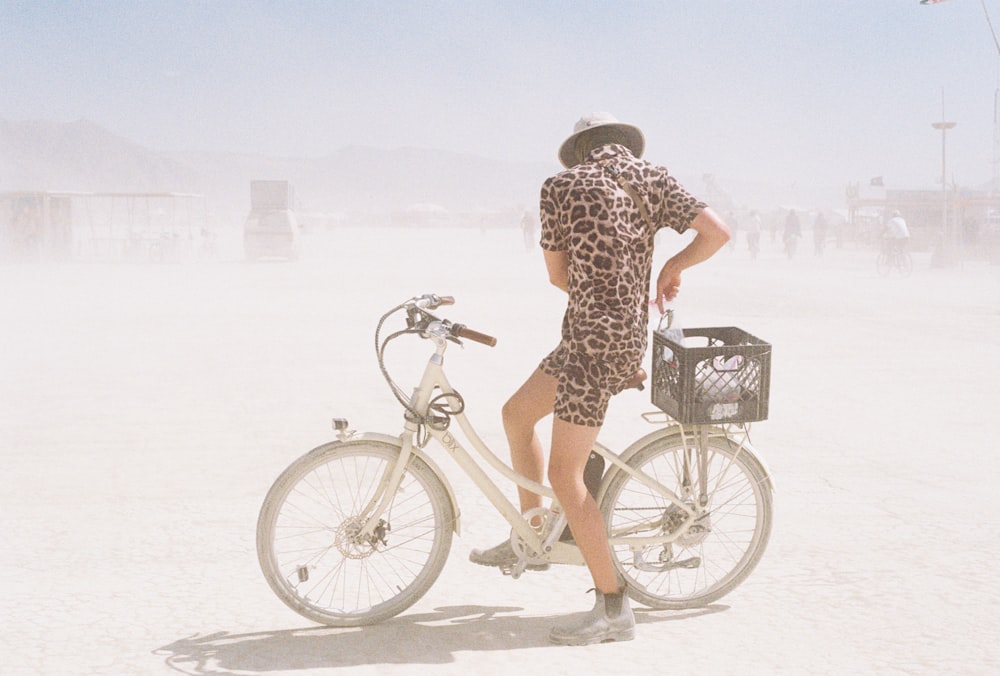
[
  {"x": 883, "y": 264},
  {"x": 905, "y": 263},
  {"x": 733, "y": 534},
  {"x": 307, "y": 550}
]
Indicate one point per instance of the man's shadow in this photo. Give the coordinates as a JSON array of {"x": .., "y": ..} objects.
[{"x": 424, "y": 638}]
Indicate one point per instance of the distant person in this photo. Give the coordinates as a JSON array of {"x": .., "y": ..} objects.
[
  {"x": 529, "y": 229},
  {"x": 27, "y": 230},
  {"x": 820, "y": 228},
  {"x": 734, "y": 227},
  {"x": 598, "y": 222},
  {"x": 896, "y": 234},
  {"x": 792, "y": 232},
  {"x": 752, "y": 229}
]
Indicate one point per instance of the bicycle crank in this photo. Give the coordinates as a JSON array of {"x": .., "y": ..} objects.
[{"x": 542, "y": 520}]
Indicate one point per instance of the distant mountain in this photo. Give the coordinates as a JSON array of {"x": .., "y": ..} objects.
[{"x": 82, "y": 156}]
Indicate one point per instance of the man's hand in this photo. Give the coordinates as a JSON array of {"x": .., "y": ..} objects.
[{"x": 668, "y": 285}]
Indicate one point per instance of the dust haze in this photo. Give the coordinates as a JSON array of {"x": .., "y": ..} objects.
[
  {"x": 147, "y": 407},
  {"x": 168, "y": 346}
]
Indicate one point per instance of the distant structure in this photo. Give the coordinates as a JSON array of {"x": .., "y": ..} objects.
[
  {"x": 974, "y": 213},
  {"x": 108, "y": 226}
]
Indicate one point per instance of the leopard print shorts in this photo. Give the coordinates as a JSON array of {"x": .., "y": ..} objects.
[{"x": 586, "y": 384}]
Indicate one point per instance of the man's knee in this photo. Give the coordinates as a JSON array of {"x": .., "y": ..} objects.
[
  {"x": 525, "y": 409},
  {"x": 513, "y": 412}
]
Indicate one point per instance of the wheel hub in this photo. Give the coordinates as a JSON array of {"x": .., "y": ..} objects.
[
  {"x": 353, "y": 545},
  {"x": 673, "y": 519}
]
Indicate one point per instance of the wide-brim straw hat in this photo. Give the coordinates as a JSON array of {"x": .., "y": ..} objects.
[{"x": 634, "y": 140}]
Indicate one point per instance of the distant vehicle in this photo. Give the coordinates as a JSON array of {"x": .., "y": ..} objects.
[
  {"x": 271, "y": 229},
  {"x": 271, "y": 234}
]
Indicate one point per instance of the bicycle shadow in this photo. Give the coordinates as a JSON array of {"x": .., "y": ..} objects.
[{"x": 424, "y": 638}]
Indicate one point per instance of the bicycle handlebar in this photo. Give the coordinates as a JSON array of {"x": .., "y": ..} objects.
[
  {"x": 432, "y": 301},
  {"x": 462, "y": 331},
  {"x": 421, "y": 322}
]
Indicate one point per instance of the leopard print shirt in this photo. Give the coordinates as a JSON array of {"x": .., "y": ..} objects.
[{"x": 589, "y": 215}]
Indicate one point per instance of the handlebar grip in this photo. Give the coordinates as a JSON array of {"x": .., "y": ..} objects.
[
  {"x": 462, "y": 331},
  {"x": 446, "y": 300}
]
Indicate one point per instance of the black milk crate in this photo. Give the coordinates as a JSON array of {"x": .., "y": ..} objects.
[{"x": 725, "y": 378}]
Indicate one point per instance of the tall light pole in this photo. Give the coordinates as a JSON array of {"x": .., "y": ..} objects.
[
  {"x": 995, "y": 185},
  {"x": 946, "y": 249}
]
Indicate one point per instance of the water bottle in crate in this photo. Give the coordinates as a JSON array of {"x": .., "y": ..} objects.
[{"x": 717, "y": 375}]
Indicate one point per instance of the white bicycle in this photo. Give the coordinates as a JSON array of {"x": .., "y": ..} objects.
[{"x": 357, "y": 530}]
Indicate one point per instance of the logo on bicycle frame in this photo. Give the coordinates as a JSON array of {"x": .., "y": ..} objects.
[{"x": 449, "y": 442}]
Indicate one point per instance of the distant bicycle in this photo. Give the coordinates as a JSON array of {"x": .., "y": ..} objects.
[{"x": 893, "y": 257}]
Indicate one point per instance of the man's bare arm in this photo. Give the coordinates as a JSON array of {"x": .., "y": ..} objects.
[
  {"x": 711, "y": 235},
  {"x": 557, "y": 264}
]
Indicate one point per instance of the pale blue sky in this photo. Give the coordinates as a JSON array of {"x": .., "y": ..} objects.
[{"x": 806, "y": 91}]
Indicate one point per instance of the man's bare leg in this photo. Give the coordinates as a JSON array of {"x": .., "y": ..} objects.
[
  {"x": 571, "y": 446},
  {"x": 532, "y": 402},
  {"x": 611, "y": 618}
]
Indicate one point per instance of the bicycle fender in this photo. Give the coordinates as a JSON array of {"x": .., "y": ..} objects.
[
  {"x": 632, "y": 449},
  {"x": 666, "y": 433},
  {"x": 419, "y": 452}
]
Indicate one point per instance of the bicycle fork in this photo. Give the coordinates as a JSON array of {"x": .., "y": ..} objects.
[{"x": 379, "y": 503}]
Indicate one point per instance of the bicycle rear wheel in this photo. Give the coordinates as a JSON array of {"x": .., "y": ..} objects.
[
  {"x": 718, "y": 551},
  {"x": 905, "y": 263},
  {"x": 309, "y": 546}
]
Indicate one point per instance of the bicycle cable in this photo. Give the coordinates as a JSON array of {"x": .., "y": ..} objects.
[{"x": 439, "y": 414}]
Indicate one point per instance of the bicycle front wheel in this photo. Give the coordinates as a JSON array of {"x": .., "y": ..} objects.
[
  {"x": 883, "y": 264},
  {"x": 309, "y": 540},
  {"x": 722, "y": 546}
]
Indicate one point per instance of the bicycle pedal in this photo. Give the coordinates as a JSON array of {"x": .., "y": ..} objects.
[{"x": 693, "y": 562}]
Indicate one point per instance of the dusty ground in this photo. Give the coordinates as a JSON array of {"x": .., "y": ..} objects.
[{"x": 145, "y": 410}]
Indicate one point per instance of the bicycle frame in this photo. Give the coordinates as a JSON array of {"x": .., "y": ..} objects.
[{"x": 546, "y": 544}]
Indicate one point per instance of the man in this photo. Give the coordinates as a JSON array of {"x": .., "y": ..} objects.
[
  {"x": 897, "y": 234},
  {"x": 793, "y": 231},
  {"x": 819, "y": 234},
  {"x": 753, "y": 234},
  {"x": 599, "y": 218}
]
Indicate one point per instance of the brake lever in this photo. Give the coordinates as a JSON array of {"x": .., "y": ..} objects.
[{"x": 432, "y": 301}]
